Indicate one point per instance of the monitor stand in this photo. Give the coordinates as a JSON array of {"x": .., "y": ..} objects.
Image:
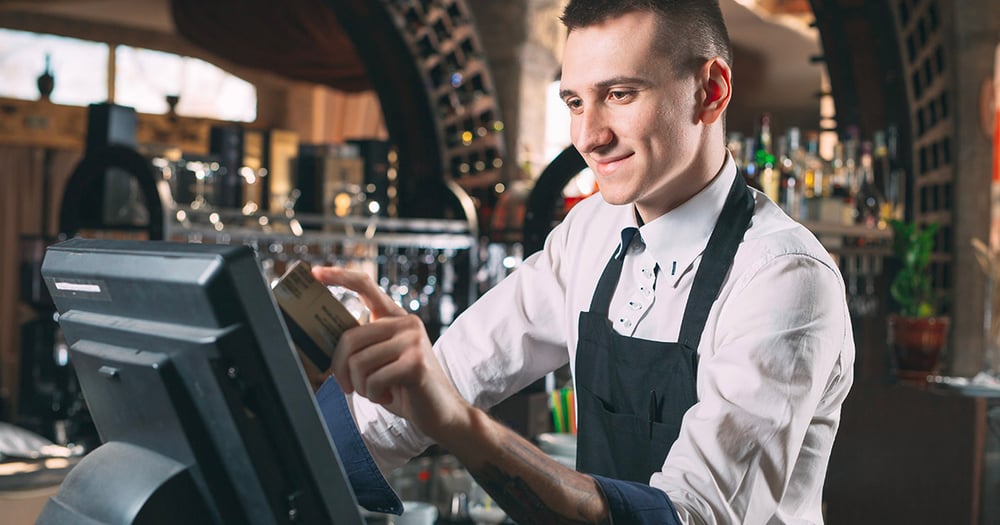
[{"x": 148, "y": 489}]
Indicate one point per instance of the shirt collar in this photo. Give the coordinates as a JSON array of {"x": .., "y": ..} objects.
[{"x": 678, "y": 237}]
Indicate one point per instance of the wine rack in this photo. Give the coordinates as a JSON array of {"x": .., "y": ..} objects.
[
  {"x": 426, "y": 62},
  {"x": 443, "y": 38},
  {"x": 927, "y": 76},
  {"x": 876, "y": 51}
]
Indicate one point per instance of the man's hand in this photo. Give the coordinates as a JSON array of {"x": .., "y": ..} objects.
[{"x": 390, "y": 360}]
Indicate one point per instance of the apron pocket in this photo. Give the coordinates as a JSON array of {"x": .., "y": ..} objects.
[{"x": 620, "y": 445}]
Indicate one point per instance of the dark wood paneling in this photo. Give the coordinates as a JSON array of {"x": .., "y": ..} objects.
[{"x": 906, "y": 456}]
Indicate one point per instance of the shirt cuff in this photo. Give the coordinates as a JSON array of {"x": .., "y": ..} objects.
[
  {"x": 370, "y": 487},
  {"x": 635, "y": 503}
]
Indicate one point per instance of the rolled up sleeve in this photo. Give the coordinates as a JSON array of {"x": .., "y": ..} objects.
[
  {"x": 636, "y": 504},
  {"x": 370, "y": 487}
]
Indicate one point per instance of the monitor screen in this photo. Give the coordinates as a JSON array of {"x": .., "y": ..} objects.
[{"x": 196, "y": 391}]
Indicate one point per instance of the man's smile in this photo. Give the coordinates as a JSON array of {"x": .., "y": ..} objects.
[{"x": 607, "y": 166}]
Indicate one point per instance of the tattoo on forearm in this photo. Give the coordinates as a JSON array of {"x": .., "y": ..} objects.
[{"x": 526, "y": 504}]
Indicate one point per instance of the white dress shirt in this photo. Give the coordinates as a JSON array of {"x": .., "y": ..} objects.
[{"x": 776, "y": 355}]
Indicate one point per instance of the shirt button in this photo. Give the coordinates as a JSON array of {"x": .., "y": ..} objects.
[
  {"x": 634, "y": 305},
  {"x": 647, "y": 273},
  {"x": 645, "y": 291},
  {"x": 627, "y": 323}
]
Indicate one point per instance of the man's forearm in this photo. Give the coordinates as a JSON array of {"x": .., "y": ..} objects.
[{"x": 530, "y": 486}]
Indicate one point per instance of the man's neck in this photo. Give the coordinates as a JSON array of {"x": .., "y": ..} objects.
[{"x": 701, "y": 173}]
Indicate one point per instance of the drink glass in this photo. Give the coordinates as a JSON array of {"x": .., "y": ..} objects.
[{"x": 482, "y": 509}]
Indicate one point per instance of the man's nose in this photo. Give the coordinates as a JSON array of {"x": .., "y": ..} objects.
[{"x": 592, "y": 131}]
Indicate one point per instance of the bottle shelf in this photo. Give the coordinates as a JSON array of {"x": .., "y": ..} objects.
[
  {"x": 442, "y": 37},
  {"x": 822, "y": 229}
]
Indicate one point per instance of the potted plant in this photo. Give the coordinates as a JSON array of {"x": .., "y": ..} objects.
[{"x": 916, "y": 333}]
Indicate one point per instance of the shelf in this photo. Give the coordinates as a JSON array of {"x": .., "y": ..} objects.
[
  {"x": 468, "y": 70},
  {"x": 484, "y": 179},
  {"x": 255, "y": 236},
  {"x": 473, "y": 109},
  {"x": 847, "y": 230},
  {"x": 229, "y": 226},
  {"x": 380, "y": 223},
  {"x": 479, "y": 144}
]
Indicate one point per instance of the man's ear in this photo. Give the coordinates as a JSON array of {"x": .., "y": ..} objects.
[{"x": 716, "y": 88}]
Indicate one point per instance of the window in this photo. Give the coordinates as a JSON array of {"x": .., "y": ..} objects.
[
  {"x": 72, "y": 62},
  {"x": 143, "y": 77}
]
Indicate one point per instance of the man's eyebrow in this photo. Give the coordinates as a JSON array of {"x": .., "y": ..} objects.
[
  {"x": 563, "y": 93},
  {"x": 621, "y": 79},
  {"x": 605, "y": 84}
]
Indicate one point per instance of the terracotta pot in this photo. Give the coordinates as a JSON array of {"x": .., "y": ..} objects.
[{"x": 917, "y": 342}]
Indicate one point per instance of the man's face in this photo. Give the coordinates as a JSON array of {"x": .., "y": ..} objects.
[{"x": 633, "y": 118}]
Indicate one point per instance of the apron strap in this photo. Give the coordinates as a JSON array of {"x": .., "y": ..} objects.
[
  {"x": 601, "y": 301},
  {"x": 716, "y": 261}
]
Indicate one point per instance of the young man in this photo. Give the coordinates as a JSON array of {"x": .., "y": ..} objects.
[{"x": 707, "y": 332}]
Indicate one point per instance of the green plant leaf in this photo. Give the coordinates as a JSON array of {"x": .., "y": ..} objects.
[{"x": 911, "y": 287}]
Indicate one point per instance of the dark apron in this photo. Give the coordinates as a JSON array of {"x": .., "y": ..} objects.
[{"x": 631, "y": 392}]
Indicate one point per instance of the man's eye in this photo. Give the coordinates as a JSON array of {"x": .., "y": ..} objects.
[
  {"x": 620, "y": 95},
  {"x": 574, "y": 103}
]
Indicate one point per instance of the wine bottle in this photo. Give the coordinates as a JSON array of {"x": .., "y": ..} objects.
[
  {"x": 868, "y": 200},
  {"x": 749, "y": 166},
  {"x": 790, "y": 197},
  {"x": 895, "y": 189},
  {"x": 881, "y": 175},
  {"x": 764, "y": 160}
]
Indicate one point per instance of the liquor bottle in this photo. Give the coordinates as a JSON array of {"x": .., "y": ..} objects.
[
  {"x": 895, "y": 188},
  {"x": 764, "y": 159},
  {"x": 807, "y": 176},
  {"x": 734, "y": 143},
  {"x": 749, "y": 170},
  {"x": 741, "y": 148},
  {"x": 852, "y": 145},
  {"x": 839, "y": 206},
  {"x": 838, "y": 172},
  {"x": 790, "y": 197},
  {"x": 881, "y": 175},
  {"x": 868, "y": 200},
  {"x": 815, "y": 183}
]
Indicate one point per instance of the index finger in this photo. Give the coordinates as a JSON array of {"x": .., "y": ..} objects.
[{"x": 380, "y": 304}]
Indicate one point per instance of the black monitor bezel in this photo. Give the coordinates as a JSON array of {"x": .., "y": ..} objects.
[{"x": 154, "y": 296}]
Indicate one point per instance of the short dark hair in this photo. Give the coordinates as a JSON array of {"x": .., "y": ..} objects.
[{"x": 695, "y": 24}]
